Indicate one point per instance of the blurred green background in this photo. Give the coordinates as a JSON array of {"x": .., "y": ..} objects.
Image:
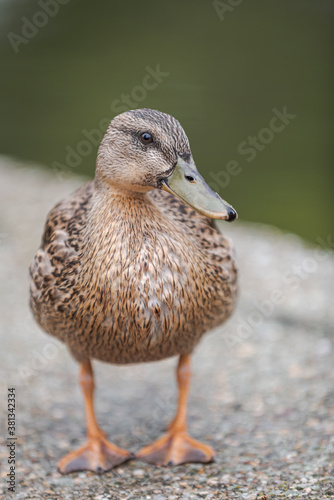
[{"x": 226, "y": 66}]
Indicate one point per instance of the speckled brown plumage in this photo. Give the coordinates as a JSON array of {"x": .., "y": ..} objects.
[
  {"x": 126, "y": 272},
  {"x": 144, "y": 285},
  {"x": 131, "y": 277}
]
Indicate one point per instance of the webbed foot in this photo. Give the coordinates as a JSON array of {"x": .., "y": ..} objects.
[
  {"x": 97, "y": 455},
  {"x": 176, "y": 448}
]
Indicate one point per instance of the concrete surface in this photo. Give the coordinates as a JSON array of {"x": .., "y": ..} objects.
[{"x": 262, "y": 393}]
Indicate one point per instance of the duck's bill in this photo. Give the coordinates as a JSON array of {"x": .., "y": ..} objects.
[{"x": 189, "y": 186}]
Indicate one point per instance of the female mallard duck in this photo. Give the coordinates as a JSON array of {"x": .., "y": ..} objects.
[{"x": 128, "y": 272}]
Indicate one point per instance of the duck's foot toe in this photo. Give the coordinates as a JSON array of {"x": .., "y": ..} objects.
[
  {"x": 176, "y": 448},
  {"x": 97, "y": 455}
]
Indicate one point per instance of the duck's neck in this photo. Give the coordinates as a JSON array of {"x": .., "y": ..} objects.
[
  {"x": 120, "y": 211},
  {"x": 119, "y": 225}
]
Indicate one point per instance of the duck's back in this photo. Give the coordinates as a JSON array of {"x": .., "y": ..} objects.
[{"x": 136, "y": 299}]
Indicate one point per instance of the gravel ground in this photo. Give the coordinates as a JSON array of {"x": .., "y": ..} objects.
[{"x": 262, "y": 392}]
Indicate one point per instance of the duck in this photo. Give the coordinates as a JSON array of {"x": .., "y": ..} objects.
[{"x": 133, "y": 268}]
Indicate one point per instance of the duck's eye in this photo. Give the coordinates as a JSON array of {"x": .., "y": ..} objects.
[{"x": 146, "y": 138}]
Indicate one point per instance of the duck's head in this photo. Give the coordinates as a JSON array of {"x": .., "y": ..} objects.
[{"x": 145, "y": 149}]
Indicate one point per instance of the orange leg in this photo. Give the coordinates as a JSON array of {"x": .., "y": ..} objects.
[
  {"x": 176, "y": 446},
  {"x": 98, "y": 454}
]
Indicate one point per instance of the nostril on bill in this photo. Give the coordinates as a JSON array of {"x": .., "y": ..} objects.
[{"x": 190, "y": 178}]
